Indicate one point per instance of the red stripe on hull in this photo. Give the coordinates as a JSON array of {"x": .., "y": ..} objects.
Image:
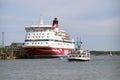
[{"x": 47, "y": 51}]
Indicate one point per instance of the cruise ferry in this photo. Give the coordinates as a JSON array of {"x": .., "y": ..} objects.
[{"x": 47, "y": 41}]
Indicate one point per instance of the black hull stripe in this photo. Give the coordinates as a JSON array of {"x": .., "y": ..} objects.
[{"x": 49, "y": 40}]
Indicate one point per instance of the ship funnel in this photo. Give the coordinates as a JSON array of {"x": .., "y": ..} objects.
[{"x": 55, "y": 23}]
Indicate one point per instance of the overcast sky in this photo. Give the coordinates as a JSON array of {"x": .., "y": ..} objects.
[{"x": 96, "y": 22}]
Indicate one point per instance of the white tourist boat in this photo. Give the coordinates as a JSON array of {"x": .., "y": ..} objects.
[{"x": 79, "y": 54}]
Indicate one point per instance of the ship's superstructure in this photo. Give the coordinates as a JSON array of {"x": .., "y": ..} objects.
[{"x": 47, "y": 41}]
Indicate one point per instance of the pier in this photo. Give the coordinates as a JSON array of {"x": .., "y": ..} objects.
[{"x": 13, "y": 51}]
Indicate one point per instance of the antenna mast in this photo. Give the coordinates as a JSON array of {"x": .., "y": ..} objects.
[
  {"x": 41, "y": 22},
  {"x": 79, "y": 42},
  {"x": 2, "y": 38}
]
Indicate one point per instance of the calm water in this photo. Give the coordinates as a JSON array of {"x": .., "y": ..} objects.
[{"x": 99, "y": 68}]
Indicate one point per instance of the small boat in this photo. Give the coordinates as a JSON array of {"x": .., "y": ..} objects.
[{"x": 79, "y": 54}]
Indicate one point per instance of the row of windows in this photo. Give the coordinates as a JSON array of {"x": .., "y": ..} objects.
[
  {"x": 43, "y": 43},
  {"x": 38, "y": 43},
  {"x": 38, "y": 37},
  {"x": 40, "y": 34}
]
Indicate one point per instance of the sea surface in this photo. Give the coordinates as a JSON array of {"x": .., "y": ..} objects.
[{"x": 99, "y": 68}]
